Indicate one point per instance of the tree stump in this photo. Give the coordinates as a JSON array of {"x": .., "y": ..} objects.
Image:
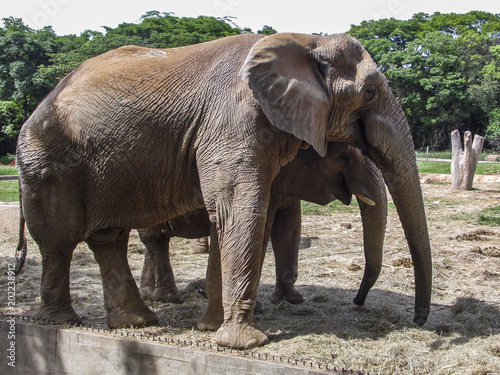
[{"x": 464, "y": 162}]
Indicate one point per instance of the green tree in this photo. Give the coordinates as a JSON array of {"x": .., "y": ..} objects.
[
  {"x": 73, "y": 50},
  {"x": 486, "y": 95},
  {"x": 267, "y": 30},
  {"x": 383, "y": 37},
  {"x": 163, "y": 30},
  {"x": 436, "y": 66},
  {"x": 11, "y": 116},
  {"x": 23, "y": 51},
  {"x": 430, "y": 87}
]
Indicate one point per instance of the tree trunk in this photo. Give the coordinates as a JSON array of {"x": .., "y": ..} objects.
[{"x": 464, "y": 162}]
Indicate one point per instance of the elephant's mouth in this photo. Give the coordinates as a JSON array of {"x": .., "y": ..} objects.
[
  {"x": 339, "y": 190},
  {"x": 345, "y": 199},
  {"x": 334, "y": 197}
]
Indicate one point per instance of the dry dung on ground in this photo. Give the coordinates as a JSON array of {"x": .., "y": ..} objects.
[{"x": 462, "y": 335}]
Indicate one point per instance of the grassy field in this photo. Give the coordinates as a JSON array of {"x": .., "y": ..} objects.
[
  {"x": 9, "y": 188},
  {"x": 434, "y": 167},
  {"x": 444, "y": 154},
  {"x": 9, "y": 191},
  {"x": 434, "y": 154},
  {"x": 7, "y": 171},
  {"x": 445, "y": 168},
  {"x": 489, "y": 216},
  {"x": 462, "y": 335}
]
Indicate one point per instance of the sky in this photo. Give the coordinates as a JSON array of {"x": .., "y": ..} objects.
[{"x": 312, "y": 16}]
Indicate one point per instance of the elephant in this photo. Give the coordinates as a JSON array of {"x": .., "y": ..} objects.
[
  {"x": 342, "y": 172},
  {"x": 138, "y": 136}
]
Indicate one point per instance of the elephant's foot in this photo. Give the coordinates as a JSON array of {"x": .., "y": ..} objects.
[
  {"x": 146, "y": 292},
  {"x": 141, "y": 318},
  {"x": 239, "y": 336},
  {"x": 210, "y": 320},
  {"x": 360, "y": 299},
  {"x": 288, "y": 293},
  {"x": 259, "y": 308},
  {"x": 66, "y": 315},
  {"x": 147, "y": 287},
  {"x": 166, "y": 296},
  {"x": 421, "y": 315}
]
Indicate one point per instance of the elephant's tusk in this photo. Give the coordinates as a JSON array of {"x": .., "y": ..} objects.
[{"x": 368, "y": 201}]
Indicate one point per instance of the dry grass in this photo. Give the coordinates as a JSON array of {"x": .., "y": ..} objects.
[{"x": 462, "y": 335}]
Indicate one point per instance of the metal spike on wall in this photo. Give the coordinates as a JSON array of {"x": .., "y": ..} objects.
[{"x": 184, "y": 343}]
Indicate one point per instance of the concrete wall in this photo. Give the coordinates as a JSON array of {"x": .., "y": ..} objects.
[
  {"x": 49, "y": 350},
  {"x": 9, "y": 218}
]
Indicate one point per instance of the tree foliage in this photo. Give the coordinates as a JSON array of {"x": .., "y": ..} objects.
[
  {"x": 23, "y": 51},
  {"x": 267, "y": 30},
  {"x": 444, "y": 70}
]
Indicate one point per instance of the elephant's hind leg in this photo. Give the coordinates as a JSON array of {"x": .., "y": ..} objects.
[
  {"x": 147, "y": 274},
  {"x": 54, "y": 291},
  {"x": 213, "y": 317},
  {"x": 285, "y": 237},
  {"x": 124, "y": 306},
  {"x": 157, "y": 259}
]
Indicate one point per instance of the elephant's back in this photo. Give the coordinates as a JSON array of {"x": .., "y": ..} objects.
[
  {"x": 135, "y": 64},
  {"x": 137, "y": 84},
  {"x": 112, "y": 125}
]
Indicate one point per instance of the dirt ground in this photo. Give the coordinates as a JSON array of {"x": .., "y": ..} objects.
[{"x": 462, "y": 335}]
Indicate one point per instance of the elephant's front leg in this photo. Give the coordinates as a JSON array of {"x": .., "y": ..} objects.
[
  {"x": 124, "y": 306},
  {"x": 285, "y": 237},
  {"x": 240, "y": 225},
  {"x": 240, "y": 266}
]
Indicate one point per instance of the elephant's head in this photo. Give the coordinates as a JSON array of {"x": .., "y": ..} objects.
[
  {"x": 315, "y": 179},
  {"x": 324, "y": 89}
]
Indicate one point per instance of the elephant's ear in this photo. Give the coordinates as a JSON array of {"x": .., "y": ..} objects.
[{"x": 287, "y": 81}]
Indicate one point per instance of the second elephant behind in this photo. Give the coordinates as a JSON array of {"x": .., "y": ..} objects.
[{"x": 342, "y": 172}]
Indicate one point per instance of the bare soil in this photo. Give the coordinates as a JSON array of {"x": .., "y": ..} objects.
[{"x": 462, "y": 335}]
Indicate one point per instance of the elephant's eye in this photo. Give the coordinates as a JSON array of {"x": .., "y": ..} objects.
[{"x": 370, "y": 92}]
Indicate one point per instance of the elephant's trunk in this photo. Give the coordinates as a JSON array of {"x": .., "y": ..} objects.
[
  {"x": 374, "y": 217},
  {"x": 391, "y": 148},
  {"x": 407, "y": 197}
]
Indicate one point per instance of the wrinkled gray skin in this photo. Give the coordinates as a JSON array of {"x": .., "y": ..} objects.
[
  {"x": 342, "y": 172},
  {"x": 130, "y": 138},
  {"x": 157, "y": 275}
]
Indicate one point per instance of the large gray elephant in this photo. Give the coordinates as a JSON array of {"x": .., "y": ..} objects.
[
  {"x": 344, "y": 171},
  {"x": 134, "y": 137}
]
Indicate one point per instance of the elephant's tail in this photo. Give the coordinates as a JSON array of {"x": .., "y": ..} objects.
[{"x": 22, "y": 246}]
